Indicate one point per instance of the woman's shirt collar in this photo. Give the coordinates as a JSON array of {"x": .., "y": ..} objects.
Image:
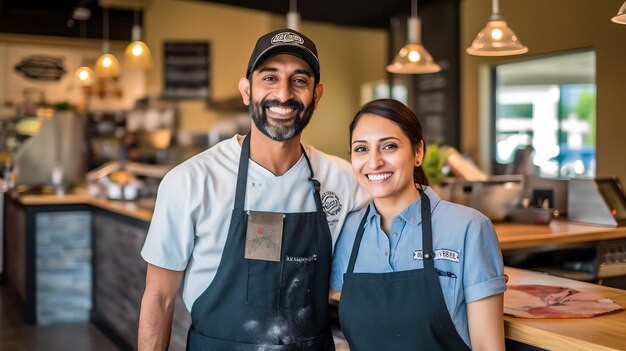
[{"x": 412, "y": 214}]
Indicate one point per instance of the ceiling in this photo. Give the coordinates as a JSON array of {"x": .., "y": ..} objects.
[
  {"x": 55, "y": 17},
  {"x": 360, "y": 13}
]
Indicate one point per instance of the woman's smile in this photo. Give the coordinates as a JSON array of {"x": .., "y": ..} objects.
[{"x": 378, "y": 177}]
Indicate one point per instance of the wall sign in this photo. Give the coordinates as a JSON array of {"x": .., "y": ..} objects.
[
  {"x": 187, "y": 70},
  {"x": 42, "y": 68}
]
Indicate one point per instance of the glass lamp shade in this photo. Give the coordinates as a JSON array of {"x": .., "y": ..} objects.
[
  {"x": 496, "y": 39},
  {"x": 621, "y": 15},
  {"x": 107, "y": 66},
  {"x": 84, "y": 75},
  {"x": 137, "y": 54},
  {"x": 413, "y": 59}
]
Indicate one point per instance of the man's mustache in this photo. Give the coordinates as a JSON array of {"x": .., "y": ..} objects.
[{"x": 289, "y": 103}]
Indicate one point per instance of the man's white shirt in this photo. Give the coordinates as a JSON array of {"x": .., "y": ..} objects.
[{"x": 195, "y": 200}]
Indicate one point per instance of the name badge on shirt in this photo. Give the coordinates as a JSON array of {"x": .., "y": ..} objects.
[
  {"x": 440, "y": 254},
  {"x": 264, "y": 236}
]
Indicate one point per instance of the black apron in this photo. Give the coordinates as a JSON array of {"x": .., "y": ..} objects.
[
  {"x": 264, "y": 305},
  {"x": 399, "y": 310}
]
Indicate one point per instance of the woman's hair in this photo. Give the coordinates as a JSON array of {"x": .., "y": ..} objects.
[{"x": 403, "y": 117}]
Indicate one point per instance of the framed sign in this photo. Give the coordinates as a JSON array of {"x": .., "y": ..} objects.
[{"x": 187, "y": 70}]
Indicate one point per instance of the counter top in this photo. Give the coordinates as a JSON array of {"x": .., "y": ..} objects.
[
  {"x": 605, "y": 332},
  {"x": 511, "y": 235},
  {"x": 140, "y": 209},
  {"x": 557, "y": 232}
]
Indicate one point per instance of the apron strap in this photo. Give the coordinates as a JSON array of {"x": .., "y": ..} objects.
[
  {"x": 427, "y": 232},
  {"x": 314, "y": 182},
  {"x": 427, "y": 236},
  {"x": 242, "y": 176},
  {"x": 357, "y": 242}
]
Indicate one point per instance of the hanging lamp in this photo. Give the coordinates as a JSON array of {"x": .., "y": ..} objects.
[
  {"x": 84, "y": 74},
  {"x": 293, "y": 16},
  {"x": 621, "y": 15},
  {"x": 496, "y": 39},
  {"x": 137, "y": 53},
  {"x": 107, "y": 65},
  {"x": 413, "y": 58}
]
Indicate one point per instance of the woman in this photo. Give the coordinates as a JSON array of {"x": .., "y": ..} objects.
[{"x": 415, "y": 272}]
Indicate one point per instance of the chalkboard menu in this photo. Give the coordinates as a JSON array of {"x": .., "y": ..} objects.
[{"x": 186, "y": 70}]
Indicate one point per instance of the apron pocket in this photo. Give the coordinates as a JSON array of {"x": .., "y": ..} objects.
[
  {"x": 297, "y": 285},
  {"x": 447, "y": 280},
  {"x": 263, "y": 281}
]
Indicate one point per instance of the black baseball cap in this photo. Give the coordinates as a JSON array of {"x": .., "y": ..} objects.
[{"x": 285, "y": 41}]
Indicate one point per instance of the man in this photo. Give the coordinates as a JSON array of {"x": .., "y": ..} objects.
[{"x": 247, "y": 221}]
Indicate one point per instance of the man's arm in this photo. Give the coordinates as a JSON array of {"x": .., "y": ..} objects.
[{"x": 157, "y": 308}]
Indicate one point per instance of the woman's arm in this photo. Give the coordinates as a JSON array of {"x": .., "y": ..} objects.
[
  {"x": 334, "y": 294},
  {"x": 486, "y": 326}
]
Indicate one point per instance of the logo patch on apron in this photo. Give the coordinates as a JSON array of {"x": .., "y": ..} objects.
[{"x": 440, "y": 254}]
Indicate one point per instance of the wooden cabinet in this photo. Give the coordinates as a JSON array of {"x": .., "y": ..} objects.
[
  {"x": 119, "y": 274},
  {"x": 119, "y": 280}
]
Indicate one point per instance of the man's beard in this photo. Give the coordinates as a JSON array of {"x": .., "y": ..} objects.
[{"x": 279, "y": 130}]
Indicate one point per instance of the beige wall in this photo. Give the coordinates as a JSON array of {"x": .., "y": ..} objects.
[
  {"x": 349, "y": 57},
  {"x": 231, "y": 32},
  {"x": 551, "y": 26}
]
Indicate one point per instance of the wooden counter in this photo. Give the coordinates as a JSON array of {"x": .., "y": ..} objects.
[
  {"x": 606, "y": 332},
  {"x": 511, "y": 235},
  {"x": 558, "y": 232},
  {"x": 140, "y": 209}
]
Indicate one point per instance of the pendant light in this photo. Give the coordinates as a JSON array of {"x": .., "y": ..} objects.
[
  {"x": 413, "y": 58},
  {"x": 84, "y": 74},
  {"x": 107, "y": 65},
  {"x": 137, "y": 53},
  {"x": 496, "y": 39},
  {"x": 621, "y": 15},
  {"x": 293, "y": 16}
]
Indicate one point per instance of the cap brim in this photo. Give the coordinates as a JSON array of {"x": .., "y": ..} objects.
[{"x": 296, "y": 50}]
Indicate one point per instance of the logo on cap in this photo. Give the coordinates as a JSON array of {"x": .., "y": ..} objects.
[{"x": 287, "y": 38}]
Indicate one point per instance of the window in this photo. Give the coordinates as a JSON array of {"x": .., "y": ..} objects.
[{"x": 545, "y": 110}]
